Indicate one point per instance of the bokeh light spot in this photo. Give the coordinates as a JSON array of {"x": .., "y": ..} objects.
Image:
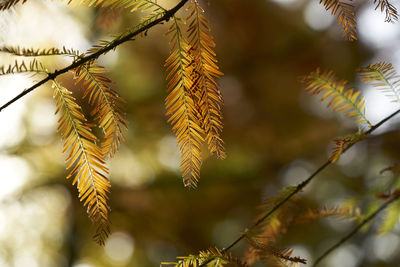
[
  {"x": 316, "y": 17},
  {"x": 119, "y": 247}
]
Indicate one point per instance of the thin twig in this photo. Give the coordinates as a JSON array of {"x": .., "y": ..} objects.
[
  {"x": 51, "y": 76},
  {"x": 303, "y": 184},
  {"x": 356, "y": 229}
]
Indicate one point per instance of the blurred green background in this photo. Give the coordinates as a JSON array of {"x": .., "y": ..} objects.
[{"x": 275, "y": 136}]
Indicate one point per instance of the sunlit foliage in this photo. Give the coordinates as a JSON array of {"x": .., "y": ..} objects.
[{"x": 194, "y": 104}]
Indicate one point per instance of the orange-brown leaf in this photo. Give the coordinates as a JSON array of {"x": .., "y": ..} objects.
[
  {"x": 181, "y": 108},
  {"x": 203, "y": 75}
]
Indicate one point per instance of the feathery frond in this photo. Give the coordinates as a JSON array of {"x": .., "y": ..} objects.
[
  {"x": 33, "y": 66},
  {"x": 340, "y": 212},
  {"x": 84, "y": 160},
  {"x": 211, "y": 257},
  {"x": 181, "y": 110},
  {"x": 204, "y": 72},
  {"x": 342, "y": 143},
  {"x": 31, "y": 52},
  {"x": 390, "y": 10},
  {"x": 344, "y": 15},
  {"x": 271, "y": 255},
  {"x": 343, "y": 99},
  {"x": 384, "y": 77},
  {"x": 107, "y": 105},
  {"x": 7, "y": 4}
]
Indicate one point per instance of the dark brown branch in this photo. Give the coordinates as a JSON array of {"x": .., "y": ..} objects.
[
  {"x": 356, "y": 229},
  {"x": 168, "y": 14},
  {"x": 302, "y": 185}
]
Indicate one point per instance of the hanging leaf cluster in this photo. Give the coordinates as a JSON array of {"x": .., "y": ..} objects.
[
  {"x": 86, "y": 153},
  {"x": 194, "y": 103},
  {"x": 84, "y": 160}
]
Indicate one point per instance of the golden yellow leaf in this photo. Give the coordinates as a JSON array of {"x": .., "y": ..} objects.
[{"x": 84, "y": 161}]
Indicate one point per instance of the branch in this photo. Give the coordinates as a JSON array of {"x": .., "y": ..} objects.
[
  {"x": 303, "y": 184},
  {"x": 356, "y": 229},
  {"x": 112, "y": 45}
]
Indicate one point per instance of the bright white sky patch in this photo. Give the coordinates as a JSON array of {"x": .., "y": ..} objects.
[{"x": 373, "y": 29}]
